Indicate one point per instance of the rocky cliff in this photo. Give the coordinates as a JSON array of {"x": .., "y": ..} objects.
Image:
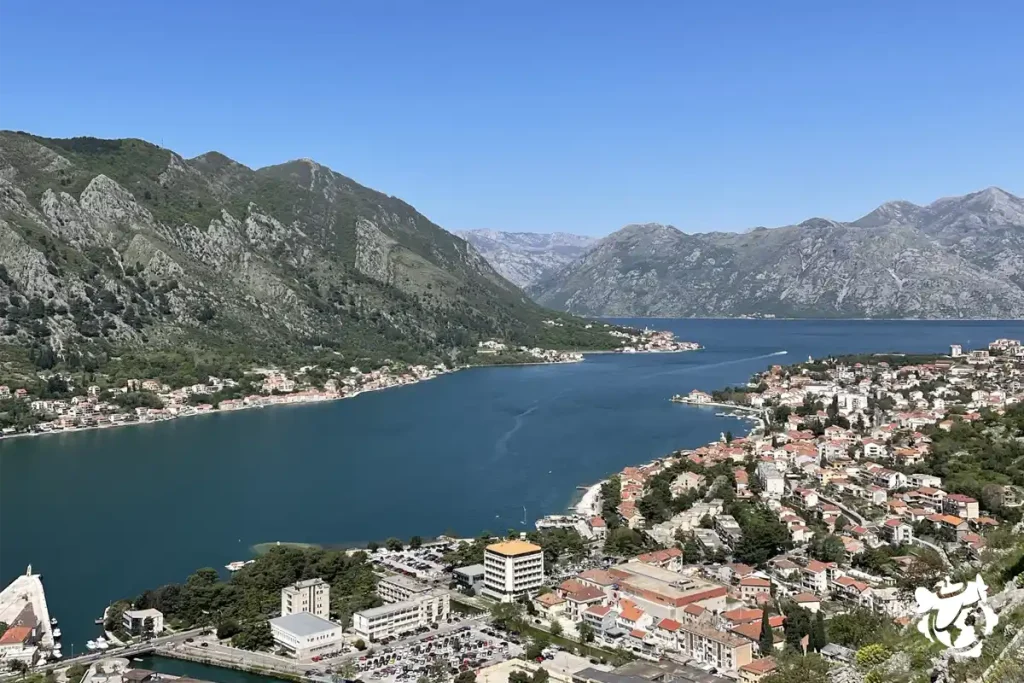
[
  {"x": 960, "y": 257},
  {"x": 107, "y": 244}
]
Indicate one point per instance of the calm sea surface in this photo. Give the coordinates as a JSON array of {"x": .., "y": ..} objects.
[{"x": 105, "y": 514}]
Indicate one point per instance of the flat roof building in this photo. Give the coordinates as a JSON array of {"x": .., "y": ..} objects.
[
  {"x": 305, "y": 634},
  {"x": 400, "y": 588},
  {"x": 398, "y": 618},
  {"x": 143, "y": 621},
  {"x": 511, "y": 569}
]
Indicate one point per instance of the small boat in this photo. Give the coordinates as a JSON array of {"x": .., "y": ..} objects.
[
  {"x": 53, "y": 621},
  {"x": 137, "y": 659},
  {"x": 56, "y": 646},
  {"x": 90, "y": 645},
  {"x": 56, "y": 633},
  {"x": 101, "y": 643},
  {"x": 55, "y": 654},
  {"x": 98, "y": 621}
]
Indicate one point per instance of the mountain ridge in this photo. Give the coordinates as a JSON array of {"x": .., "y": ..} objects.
[
  {"x": 957, "y": 257},
  {"x": 114, "y": 244}
]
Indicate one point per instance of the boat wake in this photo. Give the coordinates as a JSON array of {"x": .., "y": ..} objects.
[
  {"x": 698, "y": 368},
  {"x": 501, "y": 445}
]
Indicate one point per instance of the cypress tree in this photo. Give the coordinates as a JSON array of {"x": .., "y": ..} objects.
[
  {"x": 766, "y": 642},
  {"x": 818, "y": 639}
]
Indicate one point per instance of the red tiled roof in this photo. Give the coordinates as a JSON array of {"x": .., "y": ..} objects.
[
  {"x": 760, "y": 666},
  {"x": 669, "y": 624},
  {"x": 741, "y": 614},
  {"x": 755, "y": 581},
  {"x": 16, "y": 635}
]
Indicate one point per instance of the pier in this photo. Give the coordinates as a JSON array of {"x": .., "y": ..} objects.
[{"x": 23, "y": 603}]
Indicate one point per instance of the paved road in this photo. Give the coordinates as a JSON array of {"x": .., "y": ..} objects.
[
  {"x": 940, "y": 551},
  {"x": 845, "y": 510},
  {"x": 129, "y": 652}
]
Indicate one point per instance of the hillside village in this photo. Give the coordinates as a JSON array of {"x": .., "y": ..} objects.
[{"x": 833, "y": 505}]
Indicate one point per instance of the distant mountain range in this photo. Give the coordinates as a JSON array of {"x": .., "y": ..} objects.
[
  {"x": 958, "y": 257},
  {"x": 527, "y": 257}
]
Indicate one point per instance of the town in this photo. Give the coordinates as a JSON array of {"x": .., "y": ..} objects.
[{"x": 793, "y": 550}]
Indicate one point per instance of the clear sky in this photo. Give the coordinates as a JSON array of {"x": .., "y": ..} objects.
[{"x": 550, "y": 115}]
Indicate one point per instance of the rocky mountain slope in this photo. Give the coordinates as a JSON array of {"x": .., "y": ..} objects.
[
  {"x": 527, "y": 257},
  {"x": 111, "y": 244},
  {"x": 960, "y": 257}
]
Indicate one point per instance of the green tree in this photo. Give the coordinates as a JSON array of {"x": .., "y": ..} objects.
[
  {"x": 76, "y": 672},
  {"x": 585, "y": 632},
  {"x": 393, "y": 544},
  {"x": 359, "y": 644},
  {"x": 798, "y": 669},
  {"x": 826, "y": 548},
  {"x": 766, "y": 641},
  {"x": 467, "y": 676},
  {"x": 859, "y": 627},
  {"x": 536, "y": 646},
  {"x": 415, "y": 542},
  {"x": 508, "y": 615},
  {"x": 818, "y": 638},
  {"x": 228, "y": 628},
  {"x": 872, "y": 655},
  {"x": 372, "y": 546},
  {"x": 555, "y": 627},
  {"x": 254, "y": 636},
  {"x": 691, "y": 552}
]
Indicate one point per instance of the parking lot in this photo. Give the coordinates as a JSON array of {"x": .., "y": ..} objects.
[
  {"x": 470, "y": 646},
  {"x": 424, "y": 564}
]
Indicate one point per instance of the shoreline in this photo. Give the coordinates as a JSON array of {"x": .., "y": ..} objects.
[{"x": 325, "y": 399}]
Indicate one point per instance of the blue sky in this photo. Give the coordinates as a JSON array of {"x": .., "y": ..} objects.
[{"x": 543, "y": 116}]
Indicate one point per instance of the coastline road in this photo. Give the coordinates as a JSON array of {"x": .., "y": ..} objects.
[{"x": 128, "y": 652}]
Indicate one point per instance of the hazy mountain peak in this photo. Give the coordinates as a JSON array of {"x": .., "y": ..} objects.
[
  {"x": 640, "y": 229},
  {"x": 526, "y": 257},
  {"x": 897, "y": 211}
]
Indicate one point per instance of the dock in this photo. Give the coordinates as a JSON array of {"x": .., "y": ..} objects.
[{"x": 23, "y": 603}]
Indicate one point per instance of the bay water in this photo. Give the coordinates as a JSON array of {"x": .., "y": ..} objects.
[{"x": 105, "y": 514}]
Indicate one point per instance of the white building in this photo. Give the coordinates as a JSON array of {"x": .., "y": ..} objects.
[
  {"x": 773, "y": 485},
  {"x": 400, "y": 588},
  {"x": 312, "y": 595},
  {"x": 955, "y": 350},
  {"x": 142, "y": 621},
  {"x": 397, "y": 618},
  {"x": 511, "y": 569},
  {"x": 304, "y": 634}
]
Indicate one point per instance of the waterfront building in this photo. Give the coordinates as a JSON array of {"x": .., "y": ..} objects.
[
  {"x": 470, "y": 576},
  {"x": 511, "y": 569},
  {"x": 400, "y": 588},
  {"x": 312, "y": 595},
  {"x": 305, "y": 634},
  {"x": 143, "y": 621},
  {"x": 398, "y": 618}
]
